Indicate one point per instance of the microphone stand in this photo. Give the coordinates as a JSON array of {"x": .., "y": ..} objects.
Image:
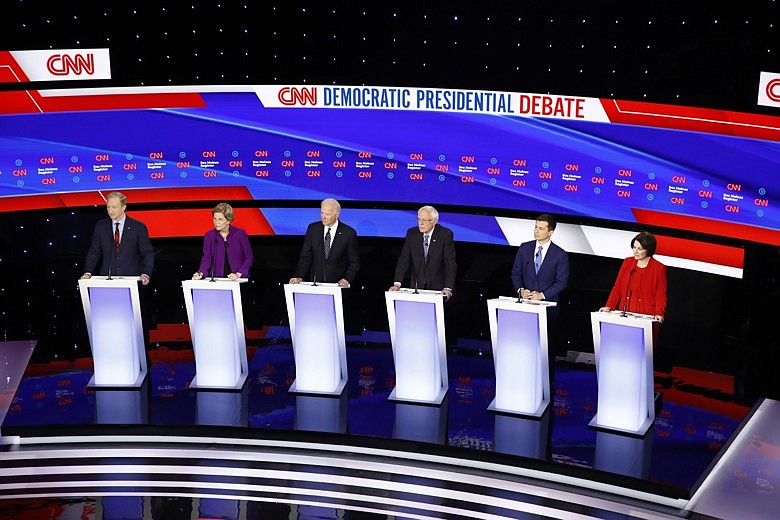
[
  {"x": 213, "y": 254},
  {"x": 415, "y": 288},
  {"x": 628, "y": 294}
]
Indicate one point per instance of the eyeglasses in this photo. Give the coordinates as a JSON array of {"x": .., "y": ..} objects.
[{"x": 420, "y": 220}]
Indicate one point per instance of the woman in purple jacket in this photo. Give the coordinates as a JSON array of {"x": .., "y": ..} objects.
[{"x": 226, "y": 249}]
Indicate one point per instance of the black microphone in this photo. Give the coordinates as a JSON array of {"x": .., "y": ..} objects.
[
  {"x": 213, "y": 254},
  {"x": 314, "y": 283},
  {"x": 227, "y": 259},
  {"x": 415, "y": 288},
  {"x": 111, "y": 261},
  {"x": 628, "y": 292}
]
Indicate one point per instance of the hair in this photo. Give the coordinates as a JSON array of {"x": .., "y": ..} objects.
[
  {"x": 332, "y": 203},
  {"x": 224, "y": 208},
  {"x": 431, "y": 210},
  {"x": 647, "y": 241},
  {"x": 546, "y": 217},
  {"x": 117, "y": 195}
]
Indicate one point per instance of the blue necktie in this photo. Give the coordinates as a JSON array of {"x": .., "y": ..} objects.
[{"x": 538, "y": 259}]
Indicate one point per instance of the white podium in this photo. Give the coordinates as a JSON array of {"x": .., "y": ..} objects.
[
  {"x": 112, "y": 309},
  {"x": 317, "y": 328},
  {"x": 216, "y": 321},
  {"x": 624, "y": 369},
  {"x": 518, "y": 332},
  {"x": 416, "y": 322}
]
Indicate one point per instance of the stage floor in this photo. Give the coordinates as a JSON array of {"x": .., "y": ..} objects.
[{"x": 70, "y": 450}]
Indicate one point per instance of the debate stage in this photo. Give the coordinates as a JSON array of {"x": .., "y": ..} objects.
[{"x": 165, "y": 451}]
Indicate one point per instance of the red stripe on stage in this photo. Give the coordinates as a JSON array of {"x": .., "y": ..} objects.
[
  {"x": 122, "y": 102},
  {"x": 712, "y": 121},
  {"x": 167, "y": 223},
  {"x": 709, "y": 226},
  {"x": 137, "y": 196},
  {"x": 701, "y": 251}
]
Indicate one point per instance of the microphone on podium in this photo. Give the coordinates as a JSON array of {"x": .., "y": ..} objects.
[
  {"x": 213, "y": 252},
  {"x": 628, "y": 293}
]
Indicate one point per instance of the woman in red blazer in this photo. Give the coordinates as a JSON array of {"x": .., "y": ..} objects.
[{"x": 641, "y": 283}]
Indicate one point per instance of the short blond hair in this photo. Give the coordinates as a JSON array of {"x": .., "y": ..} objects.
[{"x": 224, "y": 208}]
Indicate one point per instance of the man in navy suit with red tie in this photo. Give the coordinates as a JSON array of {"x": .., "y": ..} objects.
[
  {"x": 541, "y": 272},
  {"x": 121, "y": 244}
]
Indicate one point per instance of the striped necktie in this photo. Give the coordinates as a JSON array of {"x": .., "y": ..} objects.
[{"x": 326, "y": 245}]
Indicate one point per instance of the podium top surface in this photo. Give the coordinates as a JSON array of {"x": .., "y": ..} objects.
[
  {"x": 513, "y": 299},
  {"x": 619, "y": 315},
  {"x": 98, "y": 278},
  {"x": 409, "y": 290},
  {"x": 203, "y": 282}
]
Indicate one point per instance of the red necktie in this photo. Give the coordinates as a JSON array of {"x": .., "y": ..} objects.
[{"x": 116, "y": 237}]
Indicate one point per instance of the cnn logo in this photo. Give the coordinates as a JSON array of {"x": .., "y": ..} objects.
[
  {"x": 65, "y": 64},
  {"x": 297, "y": 96}
]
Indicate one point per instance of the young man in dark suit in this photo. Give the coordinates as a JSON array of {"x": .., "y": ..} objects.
[
  {"x": 120, "y": 243},
  {"x": 330, "y": 251},
  {"x": 541, "y": 272},
  {"x": 430, "y": 250}
]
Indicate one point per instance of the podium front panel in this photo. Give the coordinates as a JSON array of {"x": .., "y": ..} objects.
[
  {"x": 114, "y": 335},
  {"x": 416, "y": 351},
  {"x": 518, "y": 361},
  {"x": 518, "y": 332},
  {"x": 214, "y": 335},
  {"x": 316, "y": 342},
  {"x": 621, "y": 402},
  {"x": 624, "y": 369}
]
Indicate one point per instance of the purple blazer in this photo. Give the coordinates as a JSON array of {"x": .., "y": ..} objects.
[{"x": 238, "y": 250}]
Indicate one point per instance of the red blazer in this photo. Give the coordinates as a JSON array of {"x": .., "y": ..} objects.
[{"x": 647, "y": 293}]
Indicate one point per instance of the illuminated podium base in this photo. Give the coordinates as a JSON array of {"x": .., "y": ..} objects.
[
  {"x": 624, "y": 369},
  {"x": 216, "y": 320},
  {"x": 316, "y": 316},
  {"x": 113, "y": 313},
  {"x": 417, "y": 333},
  {"x": 518, "y": 333}
]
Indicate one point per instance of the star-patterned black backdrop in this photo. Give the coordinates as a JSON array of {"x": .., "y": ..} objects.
[{"x": 685, "y": 53}]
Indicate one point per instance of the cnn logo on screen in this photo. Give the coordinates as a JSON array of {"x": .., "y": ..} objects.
[
  {"x": 64, "y": 64},
  {"x": 769, "y": 90},
  {"x": 301, "y": 96}
]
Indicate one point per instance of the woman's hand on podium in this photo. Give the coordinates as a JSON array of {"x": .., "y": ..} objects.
[
  {"x": 197, "y": 276},
  {"x": 604, "y": 309}
]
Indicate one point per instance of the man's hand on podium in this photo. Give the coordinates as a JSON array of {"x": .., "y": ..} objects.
[
  {"x": 145, "y": 279},
  {"x": 447, "y": 294},
  {"x": 86, "y": 276},
  {"x": 296, "y": 280},
  {"x": 343, "y": 283}
]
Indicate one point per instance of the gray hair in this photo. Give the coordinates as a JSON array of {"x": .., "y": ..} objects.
[
  {"x": 332, "y": 203},
  {"x": 431, "y": 210}
]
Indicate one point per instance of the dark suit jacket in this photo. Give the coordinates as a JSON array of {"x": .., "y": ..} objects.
[
  {"x": 553, "y": 275},
  {"x": 238, "y": 250},
  {"x": 647, "y": 294},
  {"x": 135, "y": 257},
  {"x": 343, "y": 261},
  {"x": 439, "y": 270}
]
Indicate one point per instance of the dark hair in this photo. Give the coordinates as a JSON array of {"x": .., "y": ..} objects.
[
  {"x": 647, "y": 241},
  {"x": 546, "y": 217}
]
